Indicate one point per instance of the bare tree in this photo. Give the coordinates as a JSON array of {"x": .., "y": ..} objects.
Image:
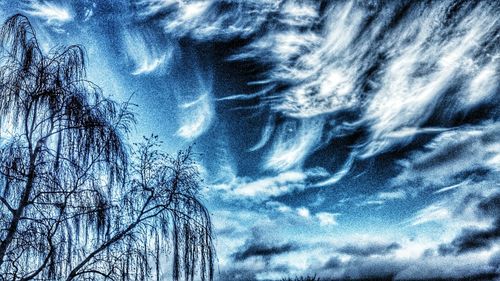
[{"x": 72, "y": 206}]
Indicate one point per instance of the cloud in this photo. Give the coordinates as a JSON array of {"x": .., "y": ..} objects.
[
  {"x": 237, "y": 274},
  {"x": 207, "y": 19},
  {"x": 260, "y": 246},
  {"x": 490, "y": 206},
  {"x": 472, "y": 239},
  {"x": 373, "y": 268},
  {"x": 468, "y": 206},
  {"x": 433, "y": 212},
  {"x": 269, "y": 255},
  {"x": 145, "y": 55},
  {"x": 266, "y": 187},
  {"x": 326, "y": 219},
  {"x": 303, "y": 212},
  {"x": 333, "y": 263},
  {"x": 52, "y": 13},
  {"x": 453, "y": 159},
  {"x": 482, "y": 88},
  {"x": 369, "y": 66},
  {"x": 467, "y": 267},
  {"x": 392, "y": 195},
  {"x": 369, "y": 249},
  {"x": 382, "y": 197},
  {"x": 293, "y": 142},
  {"x": 196, "y": 116},
  {"x": 495, "y": 260},
  {"x": 263, "y": 250}
]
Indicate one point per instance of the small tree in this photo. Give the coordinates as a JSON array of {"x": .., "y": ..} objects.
[{"x": 70, "y": 205}]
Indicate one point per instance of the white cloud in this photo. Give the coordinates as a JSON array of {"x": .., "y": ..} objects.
[
  {"x": 344, "y": 170},
  {"x": 294, "y": 141},
  {"x": 326, "y": 219},
  {"x": 483, "y": 86},
  {"x": 434, "y": 212},
  {"x": 447, "y": 267},
  {"x": 303, "y": 212},
  {"x": 346, "y": 57},
  {"x": 383, "y": 197},
  {"x": 52, "y": 13},
  {"x": 146, "y": 57},
  {"x": 392, "y": 195},
  {"x": 272, "y": 186},
  {"x": 452, "y": 187},
  {"x": 206, "y": 19},
  {"x": 196, "y": 117}
]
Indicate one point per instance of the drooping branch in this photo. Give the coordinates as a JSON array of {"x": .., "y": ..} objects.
[
  {"x": 75, "y": 202},
  {"x": 48, "y": 104}
]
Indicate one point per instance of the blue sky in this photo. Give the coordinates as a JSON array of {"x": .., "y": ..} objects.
[{"x": 346, "y": 139}]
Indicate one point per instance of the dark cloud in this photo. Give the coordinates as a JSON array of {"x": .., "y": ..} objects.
[
  {"x": 374, "y": 268},
  {"x": 466, "y": 154},
  {"x": 265, "y": 250},
  {"x": 239, "y": 271},
  {"x": 333, "y": 263},
  {"x": 369, "y": 249},
  {"x": 472, "y": 239},
  {"x": 236, "y": 274},
  {"x": 392, "y": 268},
  {"x": 490, "y": 206}
]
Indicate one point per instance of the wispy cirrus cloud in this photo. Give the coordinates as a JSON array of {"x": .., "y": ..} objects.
[
  {"x": 145, "y": 54},
  {"x": 196, "y": 116},
  {"x": 390, "y": 66},
  {"x": 383, "y": 197},
  {"x": 53, "y": 13},
  {"x": 264, "y": 188},
  {"x": 208, "y": 19}
]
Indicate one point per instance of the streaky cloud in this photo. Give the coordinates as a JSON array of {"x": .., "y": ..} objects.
[
  {"x": 196, "y": 117},
  {"x": 264, "y": 188},
  {"x": 338, "y": 175},
  {"x": 293, "y": 142},
  {"x": 145, "y": 56},
  {"x": 391, "y": 64},
  {"x": 208, "y": 19},
  {"x": 265, "y": 136},
  {"x": 52, "y": 13}
]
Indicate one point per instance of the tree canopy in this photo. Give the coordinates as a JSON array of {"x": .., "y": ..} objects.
[{"x": 76, "y": 201}]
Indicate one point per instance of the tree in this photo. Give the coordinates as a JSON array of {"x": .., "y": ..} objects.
[{"x": 74, "y": 202}]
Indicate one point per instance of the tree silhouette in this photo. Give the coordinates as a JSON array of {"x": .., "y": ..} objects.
[{"x": 72, "y": 206}]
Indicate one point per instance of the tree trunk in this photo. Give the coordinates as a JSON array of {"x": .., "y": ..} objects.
[{"x": 11, "y": 232}]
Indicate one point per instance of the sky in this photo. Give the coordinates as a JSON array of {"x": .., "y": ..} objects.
[{"x": 346, "y": 139}]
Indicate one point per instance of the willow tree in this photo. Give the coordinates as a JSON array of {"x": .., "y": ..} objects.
[{"x": 72, "y": 204}]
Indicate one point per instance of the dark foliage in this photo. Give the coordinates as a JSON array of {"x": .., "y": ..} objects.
[{"x": 302, "y": 278}]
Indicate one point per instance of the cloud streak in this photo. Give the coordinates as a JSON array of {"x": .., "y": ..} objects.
[
  {"x": 391, "y": 65},
  {"x": 52, "y": 13}
]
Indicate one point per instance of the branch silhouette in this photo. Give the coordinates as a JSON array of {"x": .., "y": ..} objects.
[{"x": 76, "y": 201}]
